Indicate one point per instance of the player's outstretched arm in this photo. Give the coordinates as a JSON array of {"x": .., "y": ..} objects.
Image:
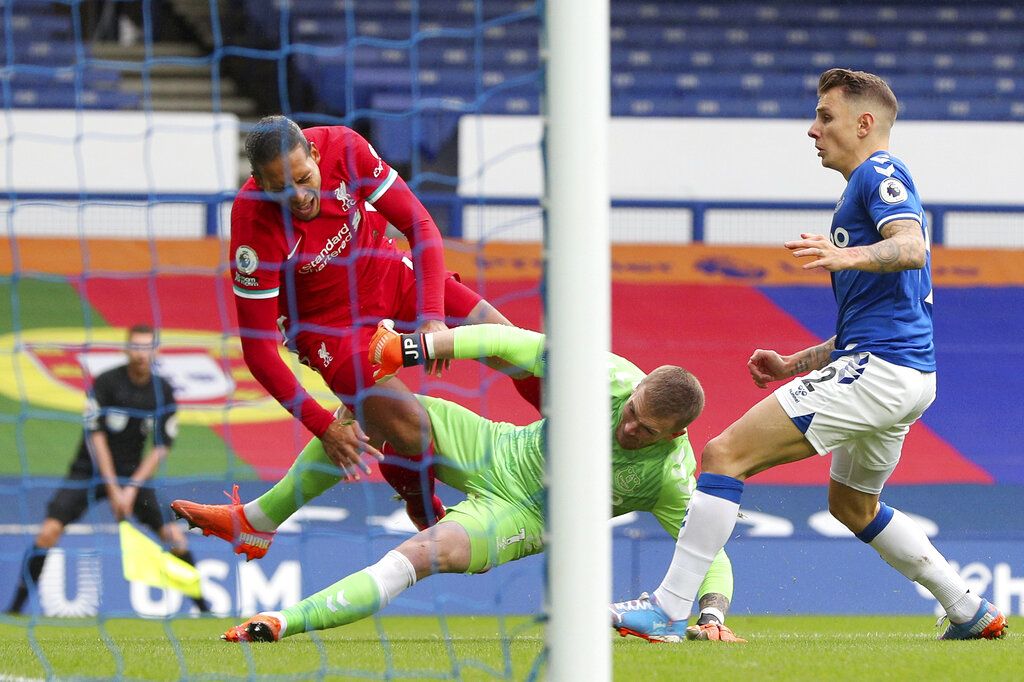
[
  {"x": 389, "y": 351},
  {"x": 902, "y": 248},
  {"x": 345, "y": 444}
]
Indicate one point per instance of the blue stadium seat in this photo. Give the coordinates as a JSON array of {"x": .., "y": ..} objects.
[
  {"x": 396, "y": 134},
  {"x": 49, "y": 53},
  {"x": 37, "y": 26},
  {"x": 385, "y": 9},
  {"x": 47, "y": 68},
  {"x": 65, "y": 77},
  {"x": 965, "y": 108},
  {"x": 64, "y": 98},
  {"x": 701, "y": 106},
  {"x": 712, "y": 83},
  {"x": 714, "y": 58}
]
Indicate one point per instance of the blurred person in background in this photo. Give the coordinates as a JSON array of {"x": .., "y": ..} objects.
[{"x": 126, "y": 405}]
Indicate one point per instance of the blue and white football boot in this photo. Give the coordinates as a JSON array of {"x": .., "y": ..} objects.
[
  {"x": 988, "y": 623},
  {"x": 644, "y": 618}
]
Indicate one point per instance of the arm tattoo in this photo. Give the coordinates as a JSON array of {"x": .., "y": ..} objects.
[
  {"x": 713, "y": 600},
  {"x": 887, "y": 255},
  {"x": 815, "y": 357},
  {"x": 902, "y": 248}
]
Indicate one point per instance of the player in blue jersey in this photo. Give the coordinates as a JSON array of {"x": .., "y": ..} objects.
[{"x": 863, "y": 388}]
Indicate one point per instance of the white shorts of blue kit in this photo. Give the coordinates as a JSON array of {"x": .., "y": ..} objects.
[{"x": 859, "y": 408}]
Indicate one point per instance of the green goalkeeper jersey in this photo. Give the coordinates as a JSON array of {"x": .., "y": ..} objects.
[{"x": 479, "y": 456}]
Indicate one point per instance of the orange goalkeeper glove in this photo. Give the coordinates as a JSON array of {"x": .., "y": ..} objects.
[
  {"x": 390, "y": 351},
  {"x": 713, "y": 631}
]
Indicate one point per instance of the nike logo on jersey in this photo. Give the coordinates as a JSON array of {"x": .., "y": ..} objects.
[{"x": 294, "y": 249}]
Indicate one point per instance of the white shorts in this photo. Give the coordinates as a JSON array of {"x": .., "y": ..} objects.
[{"x": 860, "y": 408}]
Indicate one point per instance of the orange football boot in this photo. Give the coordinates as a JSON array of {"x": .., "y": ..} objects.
[
  {"x": 260, "y": 628},
  {"x": 227, "y": 522}
]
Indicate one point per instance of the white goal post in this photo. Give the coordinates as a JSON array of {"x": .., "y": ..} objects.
[{"x": 577, "y": 321}]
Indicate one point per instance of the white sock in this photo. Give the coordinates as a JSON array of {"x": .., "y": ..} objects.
[
  {"x": 905, "y": 547},
  {"x": 257, "y": 519},
  {"x": 709, "y": 523},
  {"x": 964, "y": 608},
  {"x": 393, "y": 574}
]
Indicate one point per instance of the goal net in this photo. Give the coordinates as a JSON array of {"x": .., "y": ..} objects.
[{"x": 120, "y": 155}]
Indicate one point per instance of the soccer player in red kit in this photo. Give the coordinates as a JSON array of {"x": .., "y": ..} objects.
[{"x": 311, "y": 260}]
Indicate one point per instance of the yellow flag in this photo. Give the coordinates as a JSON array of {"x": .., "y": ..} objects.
[{"x": 143, "y": 560}]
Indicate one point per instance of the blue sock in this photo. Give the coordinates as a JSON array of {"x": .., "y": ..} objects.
[
  {"x": 881, "y": 520},
  {"x": 726, "y": 487}
]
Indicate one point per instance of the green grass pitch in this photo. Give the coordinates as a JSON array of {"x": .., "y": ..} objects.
[{"x": 487, "y": 648}]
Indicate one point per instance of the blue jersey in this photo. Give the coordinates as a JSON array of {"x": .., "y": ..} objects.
[{"x": 887, "y": 314}]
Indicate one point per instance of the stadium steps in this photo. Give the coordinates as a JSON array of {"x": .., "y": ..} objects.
[
  {"x": 179, "y": 78},
  {"x": 161, "y": 85}
]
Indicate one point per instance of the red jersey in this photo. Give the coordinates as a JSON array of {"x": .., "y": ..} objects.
[{"x": 323, "y": 271}]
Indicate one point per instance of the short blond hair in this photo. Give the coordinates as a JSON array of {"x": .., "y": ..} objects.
[
  {"x": 861, "y": 85},
  {"x": 672, "y": 391}
]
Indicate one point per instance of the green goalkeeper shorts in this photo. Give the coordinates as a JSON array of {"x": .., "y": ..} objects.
[
  {"x": 500, "y": 468},
  {"x": 499, "y": 531}
]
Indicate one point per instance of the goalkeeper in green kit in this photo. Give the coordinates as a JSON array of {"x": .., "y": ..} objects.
[{"x": 500, "y": 468}]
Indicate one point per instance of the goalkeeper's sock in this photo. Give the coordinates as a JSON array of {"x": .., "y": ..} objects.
[
  {"x": 352, "y": 598},
  {"x": 311, "y": 474},
  {"x": 31, "y": 569},
  {"x": 905, "y": 547},
  {"x": 710, "y": 520}
]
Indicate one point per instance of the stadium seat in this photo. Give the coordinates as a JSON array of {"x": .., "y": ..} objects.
[
  {"x": 717, "y": 58},
  {"x": 65, "y": 98},
  {"x": 36, "y": 26}
]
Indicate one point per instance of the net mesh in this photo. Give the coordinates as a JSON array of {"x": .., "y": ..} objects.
[
  {"x": 116, "y": 211},
  {"x": 119, "y": 160}
]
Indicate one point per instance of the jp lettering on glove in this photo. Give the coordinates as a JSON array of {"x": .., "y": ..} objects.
[{"x": 390, "y": 351}]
